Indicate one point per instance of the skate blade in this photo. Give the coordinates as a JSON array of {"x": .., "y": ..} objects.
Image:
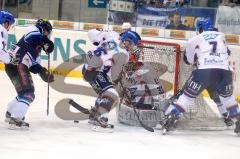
[
  {"x": 164, "y": 131},
  {"x": 238, "y": 134},
  {"x": 101, "y": 129},
  {"x": 14, "y": 127}
]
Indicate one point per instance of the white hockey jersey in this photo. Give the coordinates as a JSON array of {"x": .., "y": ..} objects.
[
  {"x": 4, "y": 56},
  {"x": 112, "y": 57},
  {"x": 208, "y": 50},
  {"x": 143, "y": 84}
]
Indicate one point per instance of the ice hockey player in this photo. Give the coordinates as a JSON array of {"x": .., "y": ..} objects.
[
  {"x": 29, "y": 48},
  {"x": 210, "y": 53},
  {"x": 107, "y": 58},
  {"x": 6, "y": 21},
  {"x": 139, "y": 83}
]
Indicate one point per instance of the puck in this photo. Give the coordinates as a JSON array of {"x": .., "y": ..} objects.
[{"x": 76, "y": 121}]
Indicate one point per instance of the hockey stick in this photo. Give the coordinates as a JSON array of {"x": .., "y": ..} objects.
[
  {"x": 148, "y": 128},
  {"x": 87, "y": 112},
  {"x": 48, "y": 92},
  {"x": 79, "y": 107}
]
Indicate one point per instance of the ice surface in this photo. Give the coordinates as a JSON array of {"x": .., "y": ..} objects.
[{"x": 52, "y": 138}]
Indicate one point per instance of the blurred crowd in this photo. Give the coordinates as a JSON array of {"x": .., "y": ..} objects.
[
  {"x": 160, "y": 3},
  {"x": 164, "y": 3},
  {"x": 231, "y": 3},
  {"x": 180, "y": 3}
]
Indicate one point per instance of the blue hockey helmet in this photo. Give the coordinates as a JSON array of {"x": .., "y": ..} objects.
[
  {"x": 205, "y": 24},
  {"x": 130, "y": 36},
  {"x": 6, "y": 16}
]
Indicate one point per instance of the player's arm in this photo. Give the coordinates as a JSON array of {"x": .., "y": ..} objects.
[
  {"x": 42, "y": 72},
  {"x": 94, "y": 62},
  {"x": 9, "y": 56},
  {"x": 36, "y": 68},
  {"x": 190, "y": 54},
  {"x": 34, "y": 38},
  {"x": 4, "y": 56}
]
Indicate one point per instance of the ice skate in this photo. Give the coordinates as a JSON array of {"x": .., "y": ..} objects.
[
  {"x": 237, "y": 128},
  {"x": 8, "y": 117},
  {"x": 15, "y": 123},
  {"x": 99, "y": 123},
  {"x": 228, "y": 121},
  {"x": 169, "y": 123}
]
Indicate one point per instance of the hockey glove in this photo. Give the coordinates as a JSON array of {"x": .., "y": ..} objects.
[
  {"x": 48, "y": 45},
  {"x": 15, "y": 58},
  {"x": 44, "y": 75},
  {"x": 14, "y": 54}
]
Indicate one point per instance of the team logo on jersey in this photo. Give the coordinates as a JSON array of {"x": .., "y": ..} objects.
[{"x": 210, "y": 36}]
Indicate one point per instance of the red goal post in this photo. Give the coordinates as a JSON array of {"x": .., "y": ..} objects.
[{"x": 156, "y": 47}]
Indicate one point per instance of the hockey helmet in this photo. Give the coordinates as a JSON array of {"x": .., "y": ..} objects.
[
  {"x": 130, "y": 36},
  {"x": 96, "y": 36},
  {"x": 6, "y": 16},
  {"x": 205, "y": 24},
  {"x": 44, "y": 24}
]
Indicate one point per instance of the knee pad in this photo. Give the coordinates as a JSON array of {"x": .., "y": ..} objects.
[
  {"x": 103, "y": 104},
  {"x": 26, "y": 98},
  {"x": 106, "y": 101},
  {"x": 112, "y": 94},
  {"x": 231, "y": 105}
]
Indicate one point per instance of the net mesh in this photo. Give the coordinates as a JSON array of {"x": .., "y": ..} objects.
[{"x": 199, "y": 115}]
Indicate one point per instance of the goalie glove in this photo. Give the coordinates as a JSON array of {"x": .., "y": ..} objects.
[
  {"x": 48, "y": 45},
  {"x": 44, "y": 75}
]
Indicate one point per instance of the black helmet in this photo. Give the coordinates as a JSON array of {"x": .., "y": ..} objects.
[{"x": 44, "y": 24}]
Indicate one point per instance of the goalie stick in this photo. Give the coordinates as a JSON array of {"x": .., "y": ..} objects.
[{"x": 146, "y": 127}]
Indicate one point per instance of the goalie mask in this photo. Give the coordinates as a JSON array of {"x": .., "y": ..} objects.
[{"x": 134, "y": 61}]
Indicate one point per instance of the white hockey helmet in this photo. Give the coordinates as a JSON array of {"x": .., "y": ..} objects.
[
  {"x": 126, "y": 25},
  {"x": 96, "y": 36}
]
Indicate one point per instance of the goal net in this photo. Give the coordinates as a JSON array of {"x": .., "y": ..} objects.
[{"x": 201, "y": 114}]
